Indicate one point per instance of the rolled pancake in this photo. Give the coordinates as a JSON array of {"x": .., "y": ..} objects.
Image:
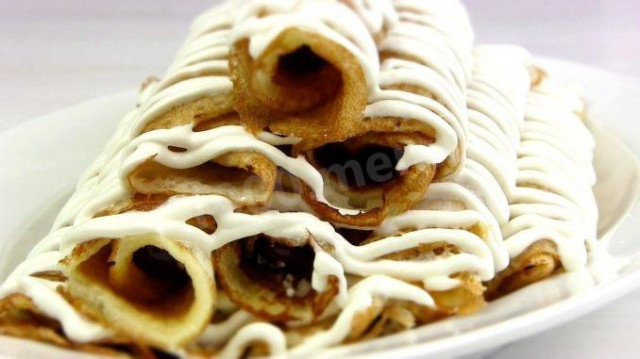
[
  {"x": 196, "y": 93},
  {"x": 20, "y": 317},
  {"x": 466, "y": 293},
  {"x": 414, "y": 126},
  {"x": 271, "y": 278},
  {"x": 366, "y": 300},
  {"x": 360, "y": 173},
  {"x": 537, "y": 262},
  {"x": 553, "y": 209},
  {"x": 245, "y": 176},
  {"x": 397, "y": 316},
  {"x": 429, "y": 53},
  {"x": 360, "y": 325},
  {"x": 146, "y": 287},
  {"x": 298, "y": 73},
  {"x": 496, "y": 98}
]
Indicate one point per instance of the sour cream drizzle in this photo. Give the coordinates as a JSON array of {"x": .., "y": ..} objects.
[
  {"x": 553, "y": 199},
  {"x": 496, "y": 99}
]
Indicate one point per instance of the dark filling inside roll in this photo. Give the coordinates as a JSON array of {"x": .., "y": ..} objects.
[
  {"x": 208, "y": 172},
  {"x": 358, "y": 166},
  {"x": 306, "y": 78},
  {"x": 278, "y": 266},
  {"x": 301, "y": 62},
  {"x": 159, "y": 264},
  {"x": 354, "y": 236},
  {"x": 154, "y": 281}
]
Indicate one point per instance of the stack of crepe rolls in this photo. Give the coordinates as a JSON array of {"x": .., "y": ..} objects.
[
  {"x": 378, "y": 106},
  {"x": 553, "y": 220},
  {"x": 310, "y": 173},
  {"x": 452, "y": 237},
  {"x": 122, "y": 271},
  {"x": 458, "y": 222}
]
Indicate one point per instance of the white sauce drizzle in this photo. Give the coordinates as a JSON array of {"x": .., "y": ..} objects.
[
  {"x": 252, "y": 333},
  {"x": 496, "y": 100},
  {"x": 554, "y": 200},
  {"x": 219, "y": 333},
  {"x": 360, "y": 297}
]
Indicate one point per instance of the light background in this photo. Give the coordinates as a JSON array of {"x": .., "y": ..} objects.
[{"x": 57, "y": 53}]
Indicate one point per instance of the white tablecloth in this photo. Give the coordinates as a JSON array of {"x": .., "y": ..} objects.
[{"x": 57, "y": 53}]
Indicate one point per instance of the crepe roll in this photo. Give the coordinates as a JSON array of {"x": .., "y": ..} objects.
[
  {"x": 360, "y": 175},
  {"x": 496, "y": 99},
  {"x": 553, "y": 210},
  {"x": 455, "y": 254},
  {"x": 146, "y": 287},
  {"x": 303, "y": 68},
  {"x": 196, "y": 93},
  {"x": 249, "y": 173},
  {"x": 272, "y": 278},
  {"x": 249, "y": 178},
  {"x": 366, "y": 301}
]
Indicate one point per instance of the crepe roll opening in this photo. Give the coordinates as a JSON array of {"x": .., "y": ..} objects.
[
  {"x": 202, "y": 112},
  {"x": 245, "y": 177},
  {"x": 537, "y": 262},
  {"x": 146, "y": 281},
  {"x": 393, "y": 319},
  {"x": 359, "y": 167},
  {"x": 302, "y": 80},
  {"x": 274, "y": 262},
  {"x": 271, "y": 278},
  {"x": 297, "y": 75},
  {"x": 360, "y": 174},
  {"x": 145, "y": 286},
  {"x": 303, "y": 84}
]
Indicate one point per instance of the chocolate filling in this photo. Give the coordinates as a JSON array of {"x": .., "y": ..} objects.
[
  {"x": 306, "y": 78},
  {"x": 369, "y": 166},
  {"x": 354, "y": 236},
  {"x": 157, "y": 283},
  {"x": 159, "y": 264},
  {"x": 265, "y": 260},
  {"x": 301, "y": 62},
  {"x": 286, "y": 149}
]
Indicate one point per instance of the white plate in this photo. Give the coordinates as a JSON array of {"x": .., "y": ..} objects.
[{"x": 43, "y": 158}]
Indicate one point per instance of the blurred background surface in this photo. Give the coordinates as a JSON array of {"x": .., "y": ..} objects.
[
  {"x": 54, "y": 54},
  {"x": 57, "y": 53}
]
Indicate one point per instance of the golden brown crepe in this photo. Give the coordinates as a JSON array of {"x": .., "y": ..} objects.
[
  {"x": 271, "y": 278},
  {"x": 303, "y": 85},
  {"x": 146, "y": 287},
  {"x": 245, "y": 177},
  {"x": 552, "y": 212}
]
